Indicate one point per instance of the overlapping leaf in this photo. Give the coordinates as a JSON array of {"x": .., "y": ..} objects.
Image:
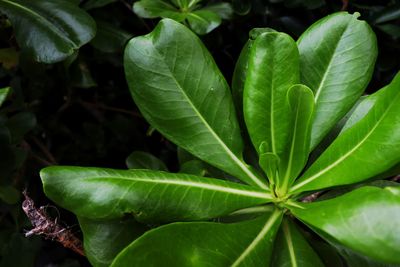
[
  {"x": 247, "y": 243},
  {"x": 46, "y": 35},
  {"x": 372, "y": 142},
  {"x": 337, "y": 56},
  {"x": 366, "y": 220},
  {"x": 177, "y": 87},
  {"x": 96, "y": 193}
]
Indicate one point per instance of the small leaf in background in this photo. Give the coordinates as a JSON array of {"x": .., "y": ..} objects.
[
  {"x": 203, "y": 21},
  {"x": 144, "y": 160},
  {"x": 110, "y": 38},
  {"x": 4, "y": 92},
  {"x": 195, "y": 167},
  {"x": 241, "y": 7},
  {"x": 224, "y": 10},
  {"x": 157, "y": 8},
  {"x": 9, "y": 57},
  {"x": 387, "y": 14},
  {"x": 103, "y": 240},
  {"x": 49, "y": 36},
  {"x": 20, "y": 124},
  {"x": 9, "y": 194}
]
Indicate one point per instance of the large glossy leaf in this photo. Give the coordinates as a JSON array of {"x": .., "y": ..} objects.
[
  {"x": 4, "y": 92},
  {"x": 180, "y": 91},
  {"x": 292, "y": 249},
  {"x": 103, "y": 240},
  {"x": 148, "y": 195},
  {"x": 247, "y": 243},
  {"x": 49, "y": 30},
  {"x": 240, "y": 72},
  {"x": 366, "y": 220},
  {"x": 337, "y": 56},
  {"x": 301, "y": 105},
  {"x": 272, "y": 69},
  {"x": 372, "y": 142}
]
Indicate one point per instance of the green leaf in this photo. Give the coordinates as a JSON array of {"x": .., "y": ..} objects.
[
  {"x": 154, "y": 196},
  {"x": 301, "y": 104},
  {"x": 195, "y": 167},
  {"x": 371, "y": 143},
  {"x": 203, "y": 21},
  {"x": 144, "y": 160},
  {"x": 242, "y": 7},
  {"x": 337, "y": 56},
  {"x": 110, "y": 38},
  {"x": 46, "y": 35},
  {"x": 366, "y": 220},
  {"x": 224, "y": 10},
  {"x": 247, "y": 243},
  {"x": 387, "y": 14},
  {"x": 240, "y": 71},
  {"x": 272, "y": 70},
  {"x": 157, "y": 8},
  {"x": 4, "y": 92},
  {"x": 20, "y": 124},
  {"x": 177, "y": 85},
  {"x": 103, "y": 240},
  {"x": 292, "y": 249},
  {"x": 269, "y": 163}
]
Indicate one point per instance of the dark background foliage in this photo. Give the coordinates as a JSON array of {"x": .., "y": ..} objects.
[{"x": 79, "y": 111}]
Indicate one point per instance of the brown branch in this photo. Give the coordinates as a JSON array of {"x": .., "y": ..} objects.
[
  {"x": 45, "y": 226},
  {"x": 45, "y": 151},
  {"x": 105, "y": 107},
  {"x": 312, "y": 197}
]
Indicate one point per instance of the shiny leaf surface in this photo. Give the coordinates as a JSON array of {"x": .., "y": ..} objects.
[
  {"x": 178, "y": 94},
  {"x": 46, "y": 35},
  {"x": 372, "y": 142},
  {"x": 148, "y": 195},
  {"x": 247, "y": 243},
  {"x": 366, "y": 220},
  {"x": 337, "y": 56}
]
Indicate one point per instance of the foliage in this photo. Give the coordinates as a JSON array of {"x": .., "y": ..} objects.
[
  {"x": 293, "y": 95},
  {"x": 201, "y": 19},
  {"x": 78, "y": 111}
]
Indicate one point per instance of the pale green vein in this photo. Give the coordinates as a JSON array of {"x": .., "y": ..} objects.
[
  {"x": 289, "y": 243},
  {"x": 269, "y": 224}
]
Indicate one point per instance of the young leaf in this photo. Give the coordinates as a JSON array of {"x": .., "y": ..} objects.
[
  {"x": 292, "y": 249},
  {"x": 177, "y": 87},
  {"x": 46, "y": 35},
  {"x": 372, "y": 143},
  {"x": 154, "y": 196},
  {"x": 247, "y": 243},
  {"x": 301, "y": 104},
  {"x": 366, "y": 220},
  {"x": 272, "y": 70},
  {"x": 144, "y": 160},
  {"x": 240, "y": 72},
  {"x": 223, "y": 9},
  {"x": 337, "y": 56},
  {"x": 103, "y": 240}
]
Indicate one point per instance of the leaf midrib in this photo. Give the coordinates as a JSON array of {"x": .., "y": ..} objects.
[
  {"x": 289, "y": 242},
  {"x": 212, "y": 187},
  {"x": 235, "y": 159},
  {"x": 324, "y": 77},
  {"x": 268, "y": 225},
  {"x": 346, "y": 155}
]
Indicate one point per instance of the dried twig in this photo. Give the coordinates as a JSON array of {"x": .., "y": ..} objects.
[
  {"x": 44, "y": 225},
  {"x": 311, "y": 197}
]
